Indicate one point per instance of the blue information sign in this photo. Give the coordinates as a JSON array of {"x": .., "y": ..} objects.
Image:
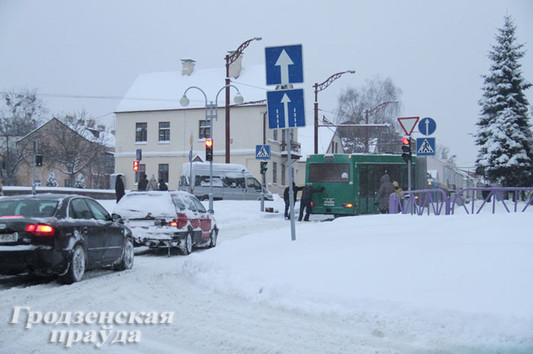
[
  {"x": 427, "y": 126},
  {"x": 285, "y": 109},
  {"x": 262, "y": 152},
  {"x": 425, "y": 146},
  {"x": 284, "y": 65}
]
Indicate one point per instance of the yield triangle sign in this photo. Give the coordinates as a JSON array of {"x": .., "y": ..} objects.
[{"x": 408, "y": 124}]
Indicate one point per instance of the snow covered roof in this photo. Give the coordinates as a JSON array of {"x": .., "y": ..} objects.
[{"x": 163, "y": 90}]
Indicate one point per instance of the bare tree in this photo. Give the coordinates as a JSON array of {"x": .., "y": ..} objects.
[
  {"x": 72, "y": 147},
  {"x": 377, "y": 102},
  {"x": 20, "y": 113}
]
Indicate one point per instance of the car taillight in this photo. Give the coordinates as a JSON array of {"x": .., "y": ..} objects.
[
  {"x": 312, "y": 204},
  {"x": 40, "y": 230}
]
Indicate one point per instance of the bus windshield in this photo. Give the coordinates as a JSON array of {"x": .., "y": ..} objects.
[{"x": 329, "y": 172}]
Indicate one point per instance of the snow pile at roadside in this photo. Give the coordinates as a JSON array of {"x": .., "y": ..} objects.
[{"x": 465, "y": 276}]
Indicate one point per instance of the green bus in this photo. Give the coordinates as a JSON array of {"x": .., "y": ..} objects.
[{"x": 351, "y": 181}]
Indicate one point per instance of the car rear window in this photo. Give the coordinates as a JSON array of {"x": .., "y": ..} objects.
[
  {"x": 28, "y": 208},
  {"x": 144, "y": 203}
]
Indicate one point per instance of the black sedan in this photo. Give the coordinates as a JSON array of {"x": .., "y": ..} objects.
[{"x": 48, "y": 234}]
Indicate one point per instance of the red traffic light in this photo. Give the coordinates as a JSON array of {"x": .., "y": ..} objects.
[
  {"x": 405, "y": 141},
  {"x": 135, "y": 165},
  {"x": 209, "y": 143}
]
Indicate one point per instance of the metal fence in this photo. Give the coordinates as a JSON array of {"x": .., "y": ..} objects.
[{"x": 471, "y": 200}]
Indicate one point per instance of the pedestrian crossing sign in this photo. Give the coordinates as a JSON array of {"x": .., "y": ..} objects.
[
  {"x": 425, "y": 146},
  {"x": 262, "y": 152}
]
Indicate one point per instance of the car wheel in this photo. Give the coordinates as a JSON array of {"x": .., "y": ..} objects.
[
  {"x": 76, "y": 267},
  {"x": 213, "y": 238},
  {"x": 186, "y": 248},
  {"x": 126, "y": 262}
]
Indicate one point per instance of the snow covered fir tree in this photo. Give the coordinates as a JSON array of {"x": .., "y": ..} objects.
[
  {"x": 52, "y": 181},
  {"x": 504, "y": 135}
]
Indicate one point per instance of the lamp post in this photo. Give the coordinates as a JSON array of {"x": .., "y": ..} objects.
[
  {"x": 366, "y": 112},
  {"x": 318, "y": 88},
  {"x": 211, "y": 111},
  {"x": 230, "y": 59}
]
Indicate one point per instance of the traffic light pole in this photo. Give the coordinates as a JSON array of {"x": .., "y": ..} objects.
[
  {"x": 34, "y": 162},
  {"x": 211, "y": 115}
]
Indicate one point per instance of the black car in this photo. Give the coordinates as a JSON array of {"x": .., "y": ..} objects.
[{"x": 48, "y": 234}]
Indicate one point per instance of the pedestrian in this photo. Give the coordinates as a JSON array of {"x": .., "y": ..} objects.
[
  {"x": 305, "y": 202},
  {"x": 385, "y": 189},
  {"x": 152, "y": 184},
  {"x": 286, "y": 197},
  {"x": 162, "y": 185},
  {"x": 119, "y": 187},
  {"x": 1, "y": 188},
  {"x": 397, "y": 189},
  {"x": 143, "y": 182}
]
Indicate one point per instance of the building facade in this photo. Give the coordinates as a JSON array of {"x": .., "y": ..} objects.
[{"x": 153, "y": 125}]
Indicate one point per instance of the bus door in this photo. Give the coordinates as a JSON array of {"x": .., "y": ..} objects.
[{"x": 368, "y": 188}]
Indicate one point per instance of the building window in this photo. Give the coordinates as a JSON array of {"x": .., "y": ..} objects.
[
  {"x": 163, "y": 172},
  {"x": 275, "y": 133},
  {"x": 274, "y": 172},
  {"x": 204, "y": 131},
  {"x": 164, "y": 131},
  {"x": 141, "y": 132},
  {"x": 283, "y": 169}
]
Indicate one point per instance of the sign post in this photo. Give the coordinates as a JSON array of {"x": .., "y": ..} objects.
[
  {"x": 262, "y": 152},
  {"x": 286, "y": 110}
]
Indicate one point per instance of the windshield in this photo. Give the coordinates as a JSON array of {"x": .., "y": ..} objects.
[
  {"x": 329, "y": 172},
  {"x": 28, "y": 208}
]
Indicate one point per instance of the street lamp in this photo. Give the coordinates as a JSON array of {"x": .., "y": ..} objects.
[
  {"x": 318, "y": 88},
  {"x": 230, "y": 59},
  {"x": 366, "y": 112},
  {"x": 211, "y": 111}
]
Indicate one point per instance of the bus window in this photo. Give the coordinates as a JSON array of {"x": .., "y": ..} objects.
[{"x": 329, "y": 172}]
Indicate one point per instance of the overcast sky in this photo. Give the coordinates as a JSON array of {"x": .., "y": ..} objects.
[{"x": 434, "y": 51}]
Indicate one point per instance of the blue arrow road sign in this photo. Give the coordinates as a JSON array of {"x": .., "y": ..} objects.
[
  {"x": 262, "y": 152},
  {"x": 427, "y": 126},
  {"x": 425, "y": 146},
  {"x": 284, "y": 65},
  {"x": 285, "y": 109}
]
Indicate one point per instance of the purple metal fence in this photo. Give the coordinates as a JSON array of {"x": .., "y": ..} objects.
[{"x": 437, "y": 202}]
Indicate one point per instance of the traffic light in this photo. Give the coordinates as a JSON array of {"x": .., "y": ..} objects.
[
  {"x": 209, "y": 149},
  {"x": 38, "y": 160},
  {"x": 135, "y": 166},
  {"x": 264, "y": 167},
  {"x": 406, "y": 149}
]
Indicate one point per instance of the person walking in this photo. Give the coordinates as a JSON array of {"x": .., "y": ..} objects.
[
  {"x": 152, "y": 184},
  {"x": 119, "y": 188},
  {"x": 286, "y": 198},
  {"x": 385, "y": 189},
  {"x": 305, "y": 202},
  {"x": 143, "y": 182},
  {"x": 162, "y": 185}
]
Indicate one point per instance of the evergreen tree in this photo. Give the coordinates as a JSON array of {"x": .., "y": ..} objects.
[{"x": 504, "y": 133}]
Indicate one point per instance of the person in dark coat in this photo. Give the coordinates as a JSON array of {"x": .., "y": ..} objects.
[
  {"x": 305, "y": 202},
  {"x": 162, "y": 185},
  {"x": 286, "y": 198},
  {"x": 143, "y": 182},
  {"x": 385, "y": 189},
  {"x": 119, "y": 187}
]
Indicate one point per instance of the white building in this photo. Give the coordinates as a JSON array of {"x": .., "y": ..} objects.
[{"x": 151, "y": 118}]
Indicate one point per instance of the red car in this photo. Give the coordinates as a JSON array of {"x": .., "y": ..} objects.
[{"x": 168, "y": 219}]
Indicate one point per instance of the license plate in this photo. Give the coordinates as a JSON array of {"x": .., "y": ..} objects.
[
  {"x": 9, "y": 237},
  {"x": 329, "y": 202}
]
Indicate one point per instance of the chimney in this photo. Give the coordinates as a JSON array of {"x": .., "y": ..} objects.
[
  {"x": 187, "y": 66},
  {"x": 235, "y": 67}
]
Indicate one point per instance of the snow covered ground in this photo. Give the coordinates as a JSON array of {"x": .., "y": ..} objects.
[{"x": 365, "y": 284}]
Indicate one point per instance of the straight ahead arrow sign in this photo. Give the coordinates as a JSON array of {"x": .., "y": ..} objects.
[{"x": 284, "y": 65}]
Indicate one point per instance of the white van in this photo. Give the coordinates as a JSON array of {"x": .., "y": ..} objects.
[{"x": 230, "y": 181}]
